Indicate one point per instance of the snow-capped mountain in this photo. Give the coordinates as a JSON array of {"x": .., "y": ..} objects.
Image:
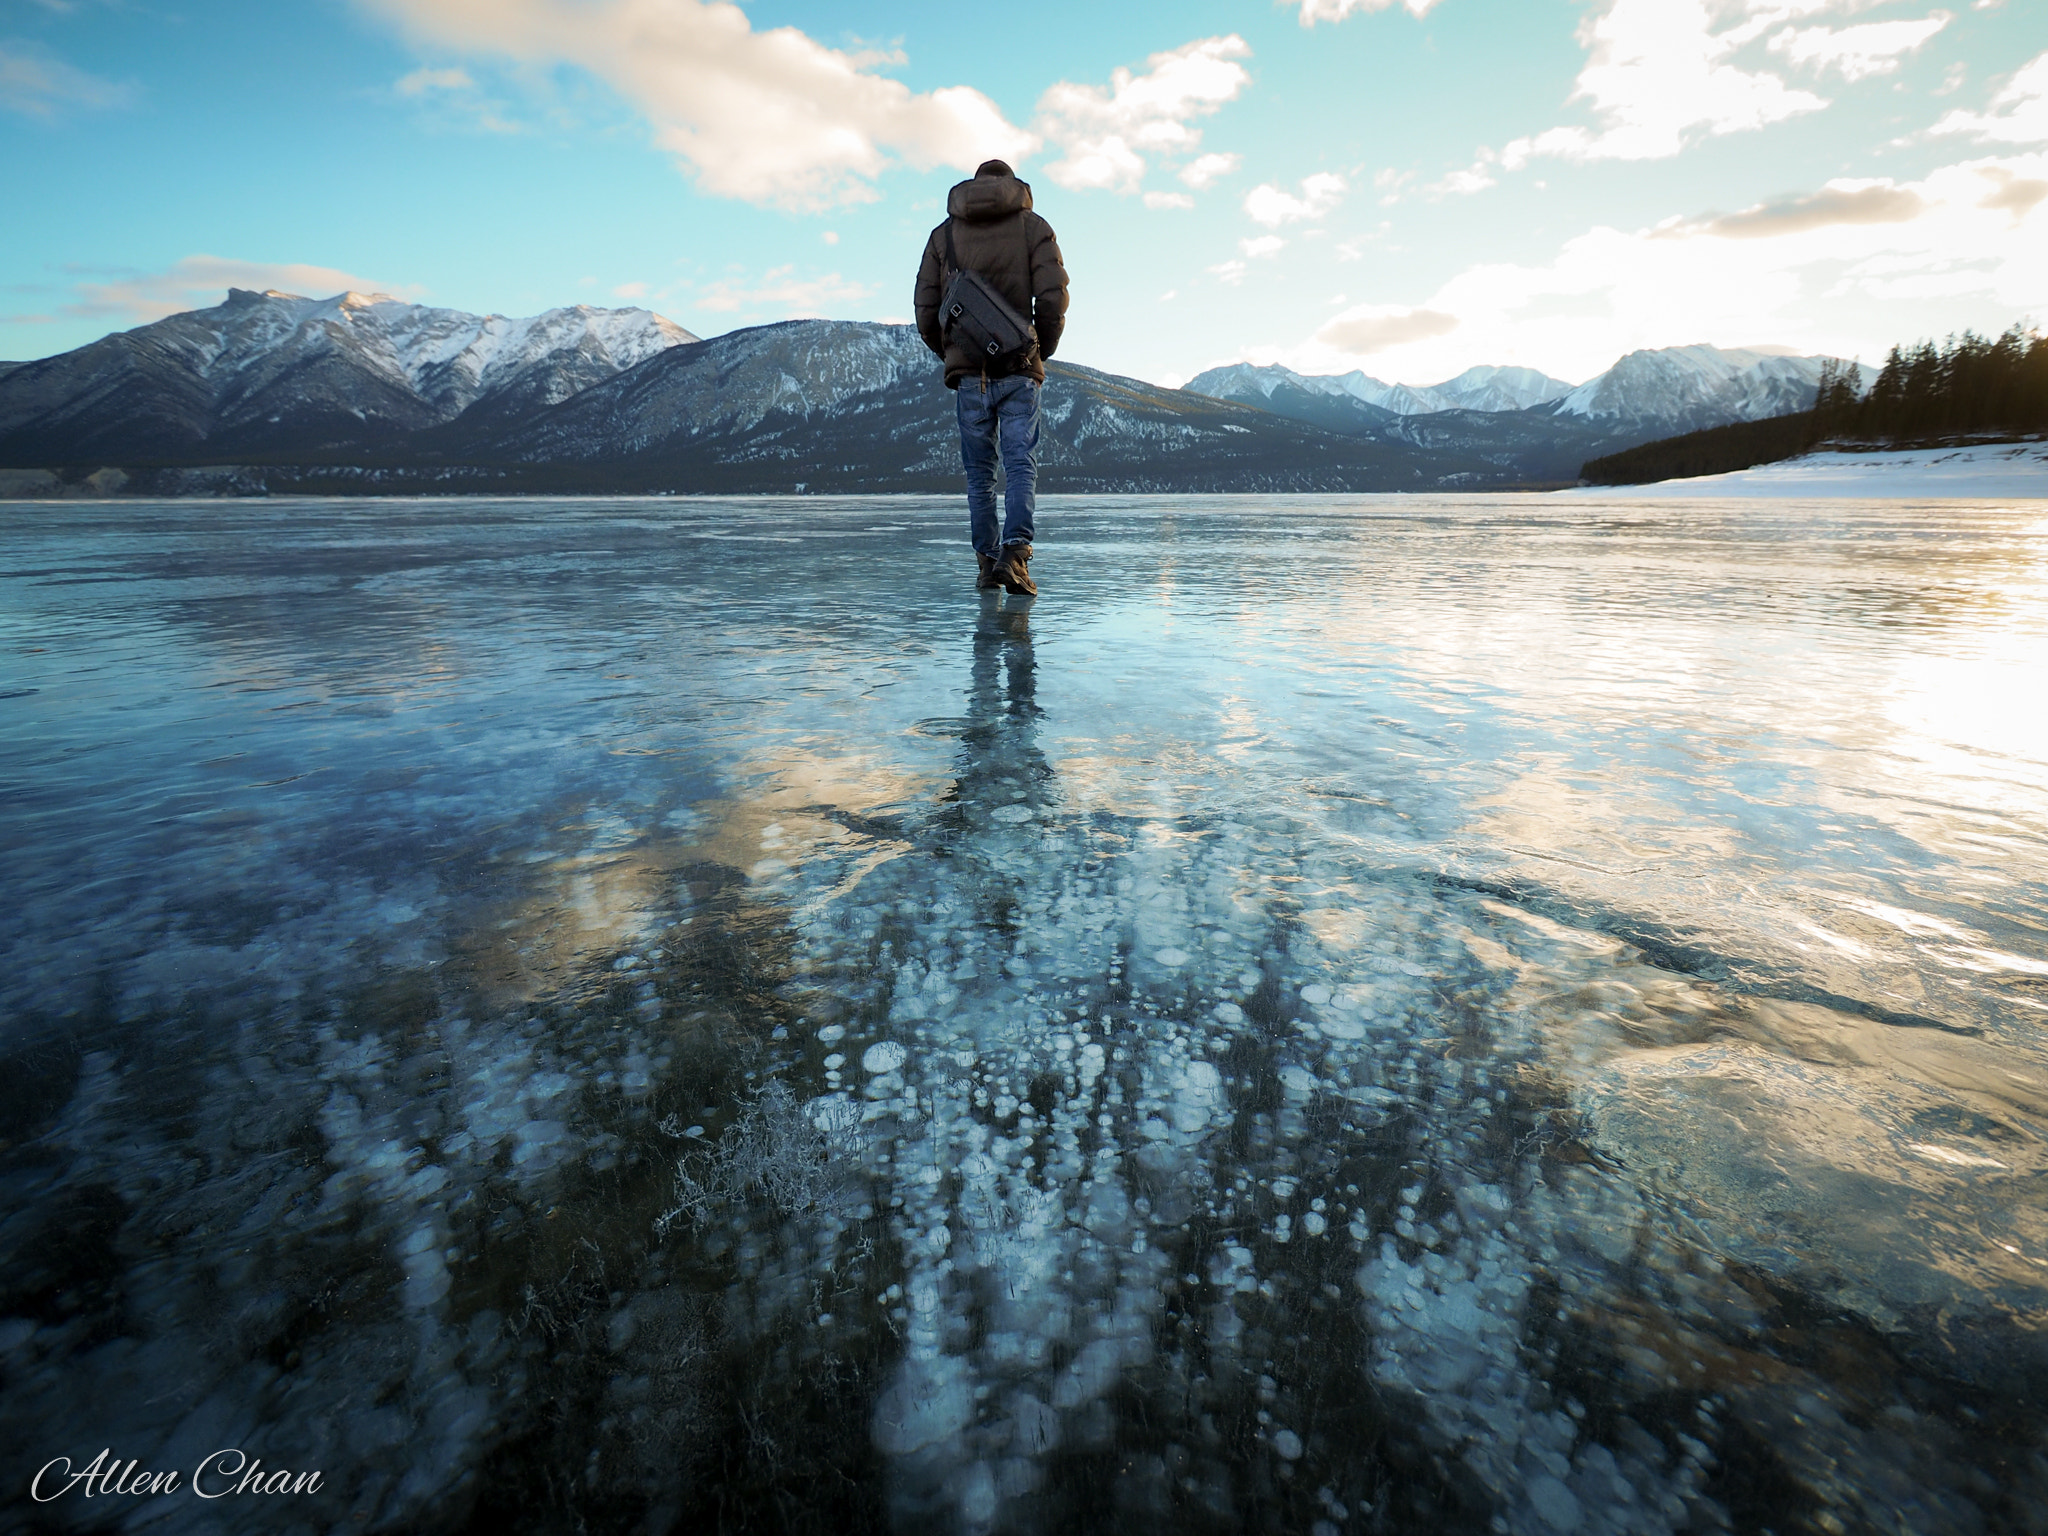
[
  {"x": 843, "y": 405},
  {"x": 367, "y": 392},
  {"x": 1676, "y": 386},
  {"x": 1699, "y": 386},
  {"x": 1523, "y": 422},
  {"x": 1489, "y": 388},
  {"x": 277, "y": 372},
  {"x": 1476, "y": 389}
]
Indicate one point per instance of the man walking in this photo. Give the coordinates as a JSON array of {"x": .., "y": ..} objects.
[{"x": 990, "y": 230}]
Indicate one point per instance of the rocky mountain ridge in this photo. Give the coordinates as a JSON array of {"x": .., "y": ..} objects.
[
  {"x": 1484, "y": 388},
  {"x": 1689, "y": 385},
  {"x": 1645, "y": 396},
  {"x": 366, "y": 392},
  {"x": 848, "y": 406},
  {"x": 272, "y": 372}
]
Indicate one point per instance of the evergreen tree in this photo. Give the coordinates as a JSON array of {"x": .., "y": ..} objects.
[{"x": 1968, "y": 384}]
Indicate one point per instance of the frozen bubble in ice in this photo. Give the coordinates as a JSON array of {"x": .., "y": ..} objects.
[
  {"x": 1555, "y": 1503},
  {"x": 1172, "y": 959},
  {"x": 1314, "y": 1224},
  {"x": 1288, "y": 1444},
  {"x": 1035, "y": 1427},
  {"x": 694, "y": 1131},
  {"x": 834, "y": 1062},
  {"x": 1315, "y": 993},
  {"x": 1249, "y": 980},
  {"x": 930, "y": 1401},
  {"x": 883, "y": 1056},
  {"x": 831, "y": 1033},
  {"x": 1200, "y": 1089},
  {"x": 535, "y": 1137},
  {"x": 1298, "y": 1081},
  {"x": 1011, "y": 813},
  {"x": 1229, "y": 1013},
  {"x": 833, "y": 1112},
  {"x": 1093, "y": 1372},
  {"x": 978, "y": 1496},
  {"x": 619, "y": 1331}
]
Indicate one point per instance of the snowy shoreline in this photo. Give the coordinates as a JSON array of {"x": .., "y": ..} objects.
[{"x": 1996, "y": 471}]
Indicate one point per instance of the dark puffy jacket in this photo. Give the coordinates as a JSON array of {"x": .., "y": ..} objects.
[{"x": 996, "y": 234}]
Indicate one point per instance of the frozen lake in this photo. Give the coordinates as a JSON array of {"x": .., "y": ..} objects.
[{"x": 1375, "y": 1014}]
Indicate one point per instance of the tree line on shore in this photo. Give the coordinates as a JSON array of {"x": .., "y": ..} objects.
[{"x": 1970, "y": 385}]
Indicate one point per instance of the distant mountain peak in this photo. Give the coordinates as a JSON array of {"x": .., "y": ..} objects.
[
  {"x": 281, "y": 369},
  {"x": 1698, "y": 385},
  {"x": 1485, "y": 388}
]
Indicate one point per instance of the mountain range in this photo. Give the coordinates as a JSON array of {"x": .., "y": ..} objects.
[
  {"x": 272, "y": 391},
  {"x": 1476, "y": 389}
]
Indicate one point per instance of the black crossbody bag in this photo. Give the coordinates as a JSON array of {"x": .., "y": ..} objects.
[{"x": 973, "y": 307}]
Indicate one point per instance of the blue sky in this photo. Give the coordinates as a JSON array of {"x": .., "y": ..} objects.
[{"x": 1410, "y": 187}]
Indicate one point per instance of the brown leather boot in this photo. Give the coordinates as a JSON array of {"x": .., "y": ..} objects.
[
  {"x": 1013, "y": 572},
  {"x": 986, "y": 580}
]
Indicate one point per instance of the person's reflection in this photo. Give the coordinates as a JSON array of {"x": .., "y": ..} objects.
[{"x": 1000, "y": 763}]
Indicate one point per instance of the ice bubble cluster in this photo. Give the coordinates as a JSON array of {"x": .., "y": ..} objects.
[{"x": 1155, "y": 1162}]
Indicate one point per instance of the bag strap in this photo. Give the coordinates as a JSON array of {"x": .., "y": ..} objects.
[
  {"x": 1023, "y": 235},
  {"x": 1030, "y": 294}
]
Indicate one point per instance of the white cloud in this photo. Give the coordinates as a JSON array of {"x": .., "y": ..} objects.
[
  {"x": 766, "y": 117},
  {"x": 1368, "y": 328},
  {"x": 2019, "y": 112},
  {"x": 2017, "y": 195},
  {"x": 1313, "y": 11},
  {"x": 1231, "y": 272},
  {"x": 1658, "y": 73},
  {"x": 1835, "y": 270},
  {"x": 1857, "y": 53},
  {"x": 36, "y": 83},
  {"x": 454, "y": 92},
  {"x": 1839, "y": 202},
  {"x": 1476, "y": 178},
  {"x": 631, "y": 291},
  {"x": 422, "y": 81},
  {"x": 199, "y": 282},
  {"x": 1261, "y": 246},
  {"x": 1105, "y": 136},
  {"x": 1206, "y": 170},
  {"x": 1270, "y": 207},
  {"x": 783, "y": 295},
  {"x": 1168, "y": 200}
]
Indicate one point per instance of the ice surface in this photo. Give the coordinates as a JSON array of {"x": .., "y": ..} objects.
[{"x": 1378, "y": 1014}]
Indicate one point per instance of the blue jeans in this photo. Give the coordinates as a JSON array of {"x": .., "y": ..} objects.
[{"x": 1001, "y": 413}]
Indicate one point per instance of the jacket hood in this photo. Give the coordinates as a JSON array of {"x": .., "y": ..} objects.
[{"x": 984, "y": 199}]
